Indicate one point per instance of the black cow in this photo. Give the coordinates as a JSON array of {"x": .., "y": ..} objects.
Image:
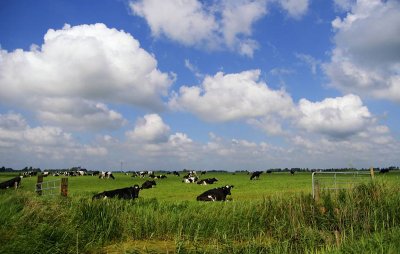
[
  {"x": 124, "y": 193},
  {"x": 384, "y": 170},
  {"x": 11, "y": 183},
  {"x": 176, "y": 173},
  {"x": 255, "y": 175},
  {"x": 148, "y": 184},
  {"x": 217, "y": 194},
  {"x": 292, "y": 171},
  {"x": 207, "y": 181}
]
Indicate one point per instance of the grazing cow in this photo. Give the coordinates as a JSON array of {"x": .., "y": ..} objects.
[
  {"x": 159, "y": 177},
  {"x": 45, "y": 174},
  {"x": 208, "y": 181},
  {"x": 148, "y": 184},
  {"x": 11, "y": 183},
  {"x": 81, "y": 173},
  {"x": 71, "y": 173},
  {"x": 255, "y": 175},
  {"x": 95, "y": 173},
  {"x": 143, "y": 173},
  {"x": 383, "y": 170},
  {"x": 124, "y": 193},
  {"x": 176, "y": 173},
  {"x": 106, "y": 175},
  {"x": 190, "y": 179},
  {"x": 217, "y": 194},
  {"x": 269, "y": 171},
  {"x": 203, "y": 172},
  {"x": 29, "y": 173}
]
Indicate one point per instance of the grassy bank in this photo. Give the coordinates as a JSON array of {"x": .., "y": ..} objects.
[{"x": 365, "y": 219}]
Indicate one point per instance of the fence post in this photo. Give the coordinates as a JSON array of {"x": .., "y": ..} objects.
[
  {"x": 372, "y": 172},
  {"x": 64, "y": 187},
  {"x": 39, "y": 185}
]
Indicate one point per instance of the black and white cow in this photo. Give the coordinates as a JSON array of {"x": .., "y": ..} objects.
[
  {"x": 255, "y": 175},
  {"x": 217, "y": 194},
  {"x": 190, "y": 179},
  {"x": 29, "y": 173},
  {"x": 15, "y": 182},
  {"x": 176, "y": 173},
  {"x": 106, "y": 175},
  {"x": 207, "y": 181},
  {"x": 159, "y": 177},
  {"x": 148, "y": 184},
  {"x": 124, "y": 193},
  {"x": 95, "y": 173}
]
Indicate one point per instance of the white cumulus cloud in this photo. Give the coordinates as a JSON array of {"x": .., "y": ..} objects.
[
  {"x": 150, "y": 128},
  {"x": 226, "y": 97},
  {"x": 212, "y": 25},
  {"x": 366, "y": 57},
  {"x": 77, "y": 71},
  {"x": 336, "y": 117},
  {"x": 31, "y": 143},
  {"x": 78, "y": 114}
]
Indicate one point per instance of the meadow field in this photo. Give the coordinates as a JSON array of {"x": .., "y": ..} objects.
[{"x": 275, "y": 214}]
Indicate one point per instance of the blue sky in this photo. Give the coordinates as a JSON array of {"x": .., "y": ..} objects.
[{"x": 231, "y": 85}]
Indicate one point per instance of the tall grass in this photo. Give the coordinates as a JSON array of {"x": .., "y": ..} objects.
[{"x": 365, "y": 218}]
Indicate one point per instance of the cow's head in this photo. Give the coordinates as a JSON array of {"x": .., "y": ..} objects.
[
  {"x": 136, "y": 190},
  {"x": 227, "y": 189}
]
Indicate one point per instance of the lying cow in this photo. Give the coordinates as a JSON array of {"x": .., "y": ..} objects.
[
  {"x": 217, "y": 194},
  {"x": 255, "y": 175},
  {"x": 207, "y": 181},
  {"x": 15, "y": 182},
  {"x": 148, "y": 184},
  {"x": 124, "y": 193}
]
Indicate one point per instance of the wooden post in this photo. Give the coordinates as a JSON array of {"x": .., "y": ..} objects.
[
  {"x": 39, "y": 185},
  {"x": 372, "y": 172},
  {"x": 64, "y": 187}
]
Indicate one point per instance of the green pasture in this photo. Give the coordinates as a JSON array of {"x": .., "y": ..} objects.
[
  {"x": 275, "y": 214},
  {"x": 173, "y": 189}
]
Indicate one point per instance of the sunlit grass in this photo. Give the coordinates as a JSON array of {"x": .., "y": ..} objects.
[{"x": 275, "y": 214}]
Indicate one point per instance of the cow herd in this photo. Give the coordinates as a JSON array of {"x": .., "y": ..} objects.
[{"x": 216, "y": 194}]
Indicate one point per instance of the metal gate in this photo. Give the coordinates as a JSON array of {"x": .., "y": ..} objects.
[
  {"x": 328, "y": 181},
  {"x": 52, "y": 187}
]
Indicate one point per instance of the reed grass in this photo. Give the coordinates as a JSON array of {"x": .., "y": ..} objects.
[{"x": 365, "y": 219}]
